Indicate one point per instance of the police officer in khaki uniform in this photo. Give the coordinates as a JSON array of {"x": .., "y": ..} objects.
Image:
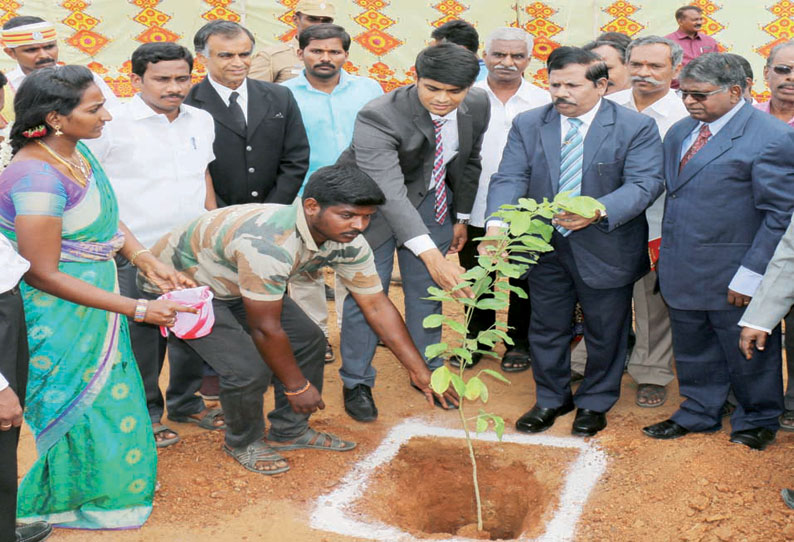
[{"x": 280, "y": 62}]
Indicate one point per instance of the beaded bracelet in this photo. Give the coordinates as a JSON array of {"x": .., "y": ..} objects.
[
  {"x": 140, "y": 310},
  {"x": 136, "y": 254},
  {"x": 298, "y": 391}
]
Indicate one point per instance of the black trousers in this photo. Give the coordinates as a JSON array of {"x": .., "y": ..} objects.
[
  {"x": 149, "y": 348},
  {"x": 519, "y": 310},
  {"x": 14, "y": 367},
  {"x": 244, "y": 376}
]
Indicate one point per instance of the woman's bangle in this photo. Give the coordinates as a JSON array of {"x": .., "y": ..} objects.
[
  {"x": 140, "y": 310},
  {"x": 299, "y": 390},
  {"x": 138, "y": 253}
]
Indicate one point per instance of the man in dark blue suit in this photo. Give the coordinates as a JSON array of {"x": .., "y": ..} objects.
[
  {"x": 729, "y": 170},
  {"x": 595, "y": 148}
]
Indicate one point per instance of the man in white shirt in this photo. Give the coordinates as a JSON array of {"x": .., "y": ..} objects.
[
  {"x": 156, "y": 152},
  {"x": 653, "y": 63},
  {"x": 32, "y": 43},
  {"x": 507, "y": 54}
]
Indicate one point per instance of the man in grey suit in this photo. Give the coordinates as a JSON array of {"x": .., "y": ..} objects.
[
  {"x": 593, "y": 147},
  {"x": 730, "y": 193},
  {"x": 421, "y": 144}
]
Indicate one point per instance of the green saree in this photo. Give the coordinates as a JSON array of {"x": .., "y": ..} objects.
[{"x": 97, "y": 459}]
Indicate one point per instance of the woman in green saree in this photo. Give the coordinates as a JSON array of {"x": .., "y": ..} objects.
[{"x": 96, "y": 462}]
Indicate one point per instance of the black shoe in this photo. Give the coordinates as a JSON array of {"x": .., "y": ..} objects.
[
  {"x": 588, "y": 422},
  {"x": 330, "y": 295},
  {"x": 33, "y": 532},
  {"x": 757, "y": 438},
  {"x": 455, "y": 361},
  {"x": 665, "y": 430},
  {"x": 359, "y": 403},
  {"x": 436, "y": 402},
  {"x": 539, "y": 419},
  {"x": 516, "y": 360}
]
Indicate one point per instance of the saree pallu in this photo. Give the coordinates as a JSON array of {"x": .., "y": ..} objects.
[{"x": 97, "y": 458}]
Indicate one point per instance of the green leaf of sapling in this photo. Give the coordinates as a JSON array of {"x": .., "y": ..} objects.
[{"x": 440, "y": 378}]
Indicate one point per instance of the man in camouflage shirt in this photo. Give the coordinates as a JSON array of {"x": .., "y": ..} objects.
[{"x": 247, "y": 254}]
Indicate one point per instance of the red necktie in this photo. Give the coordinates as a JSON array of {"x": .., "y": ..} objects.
[
  {"x": 702, "y": 139},
  {"x": 439, "y": 174}
]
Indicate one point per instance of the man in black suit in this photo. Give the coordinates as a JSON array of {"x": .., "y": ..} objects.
[
  {"x": 421, "y": 144},
  {"x": 261, "y": 150}
]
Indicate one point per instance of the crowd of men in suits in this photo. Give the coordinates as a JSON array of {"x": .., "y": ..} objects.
[{"x": 697, "y": 185}]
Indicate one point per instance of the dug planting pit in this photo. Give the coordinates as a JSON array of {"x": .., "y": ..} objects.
[{"x": 417, "y": 486}]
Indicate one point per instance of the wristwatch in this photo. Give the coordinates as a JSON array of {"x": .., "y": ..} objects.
[{"x": 462, "y": 221}]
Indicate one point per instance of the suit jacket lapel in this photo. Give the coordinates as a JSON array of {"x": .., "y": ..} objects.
[
  {"x": 550, "y": 139},
  {"x": 259, "y": 101},
  {"x": 424, "y": 124},
  {"x": 716, "y": 146},
  {"x": 215, "y": 106},
  {"x": 596, "y": 135}
]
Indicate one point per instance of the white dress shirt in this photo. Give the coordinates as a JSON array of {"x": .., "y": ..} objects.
[
  {"x": 666, "y": 111},
  {"x": 157, "y": 168},
  {"x": 451, "y": 143},
  {"x": 226, "y": 92},
  {"x": 527, "y": 97},
  {"x": 12, "y": 267},
  {"x": 16, "y": 76}
]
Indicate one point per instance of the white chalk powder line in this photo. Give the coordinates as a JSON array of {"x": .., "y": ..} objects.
[{"x": 332, "y": 512}]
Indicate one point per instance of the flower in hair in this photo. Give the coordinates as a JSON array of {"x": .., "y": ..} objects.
[{"x": 36, "y": 131}]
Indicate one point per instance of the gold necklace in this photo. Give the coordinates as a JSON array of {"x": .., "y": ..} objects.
[{"x": 82, "y": 165}]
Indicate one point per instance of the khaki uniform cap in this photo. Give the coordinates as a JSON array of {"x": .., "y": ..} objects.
[{"x": 316, "y": 8}]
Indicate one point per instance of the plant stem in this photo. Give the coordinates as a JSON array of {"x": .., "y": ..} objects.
[{"x": 473, "y": 465}]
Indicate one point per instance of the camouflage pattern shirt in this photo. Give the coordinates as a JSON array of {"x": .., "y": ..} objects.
[{"x": 253, "y": 251}]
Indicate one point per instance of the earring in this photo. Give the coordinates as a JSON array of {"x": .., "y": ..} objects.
[{"x": 58, "y": 131}]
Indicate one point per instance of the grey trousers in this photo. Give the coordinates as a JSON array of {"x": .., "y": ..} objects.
[
  {"x": 651, "y": 361},
  {"x": 244, "y": 376},
  {"x": 358, "y": 342},
  {"x": 14, "y": 367},
  {"x": 149, "y": 348}
]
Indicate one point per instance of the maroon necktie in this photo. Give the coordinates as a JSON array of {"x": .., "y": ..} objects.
[
  {"x": 440, "y": 174},
  {"x": 702, "y": 139}
]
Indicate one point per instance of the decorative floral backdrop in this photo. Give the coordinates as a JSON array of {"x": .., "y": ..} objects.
[{"x": 388, "y": 33}]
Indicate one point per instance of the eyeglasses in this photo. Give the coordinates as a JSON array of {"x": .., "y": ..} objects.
[
  {"x": 700, "y": 96},
  {"x": 782, "y": 69}
]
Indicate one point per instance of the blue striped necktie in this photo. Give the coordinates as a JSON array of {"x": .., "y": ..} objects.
[{"x": 571, "y": 164}]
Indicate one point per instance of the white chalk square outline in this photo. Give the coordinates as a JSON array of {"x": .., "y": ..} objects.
[{"x": 332, "y": 512}]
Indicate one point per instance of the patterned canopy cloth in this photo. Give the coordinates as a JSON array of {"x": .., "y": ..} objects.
[{"x": 97, "y": 459}]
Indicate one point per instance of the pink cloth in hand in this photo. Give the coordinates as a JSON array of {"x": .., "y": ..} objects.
[{"x": 189, "y": 325}]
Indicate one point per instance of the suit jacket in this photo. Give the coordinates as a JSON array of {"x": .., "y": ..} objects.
[
  {"x": 775, "y": 296},
  {"x": 267, "y": 163},
  {"x": 394, "y": 142},
  {"x": 621, "y": 167},
  {"x": 727, "y": 208}
]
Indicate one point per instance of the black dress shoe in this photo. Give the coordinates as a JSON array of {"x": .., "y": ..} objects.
[
  {"x": 455, "y": 360},
  {"x": 757, "y": 438},
  {"x": 588, "y": 422},
  {"x": 665, "y": 430},
  {"x": 33, "y": 532},
  {"x": 359, "y": 403},
  {"x": 436, "y": 402},
  {"x": 539, "y": 419}
]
